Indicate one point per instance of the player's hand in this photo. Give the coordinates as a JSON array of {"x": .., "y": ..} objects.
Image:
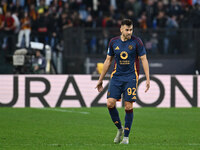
[
  {"x": 99, "y": 86},
  {"x": 147, "y": 85}
]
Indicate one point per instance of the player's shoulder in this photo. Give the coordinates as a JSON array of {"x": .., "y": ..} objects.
[
  {"x": 137, "y": 39},
  {"x": 114, "y": 39}
]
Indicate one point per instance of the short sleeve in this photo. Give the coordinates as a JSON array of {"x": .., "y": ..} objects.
[
  {"x": 141, "y": 49},
  {"x": 110, "y": 51}
]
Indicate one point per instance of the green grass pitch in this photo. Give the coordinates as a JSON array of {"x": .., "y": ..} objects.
[{"x": 92, "y": 129}]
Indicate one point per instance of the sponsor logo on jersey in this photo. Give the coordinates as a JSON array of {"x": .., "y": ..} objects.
[
  {"x": 117, "y": 48},
  {"x": 124, "y": 55},
  {"x": 130, "y": 47}
]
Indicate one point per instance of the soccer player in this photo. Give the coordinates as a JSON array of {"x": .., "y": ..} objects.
[{"x": 127, "y": 49}]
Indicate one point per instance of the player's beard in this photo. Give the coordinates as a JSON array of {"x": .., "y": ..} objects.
[{"x": 128, "y": 36}]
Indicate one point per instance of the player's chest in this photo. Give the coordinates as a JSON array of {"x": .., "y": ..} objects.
[{"x": 129, "y": 48}]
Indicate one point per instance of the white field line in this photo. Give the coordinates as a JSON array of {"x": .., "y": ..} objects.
[
  {"x": 64, "y": 110},
  {"x": 148, "y": 144},
  {"x": 142, "y": 144}
]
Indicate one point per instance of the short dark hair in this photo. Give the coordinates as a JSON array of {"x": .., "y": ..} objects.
[{"x": 127, "y": 22}]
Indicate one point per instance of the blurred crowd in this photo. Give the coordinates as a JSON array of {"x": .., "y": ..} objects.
[{"x": 45, "y": 20}]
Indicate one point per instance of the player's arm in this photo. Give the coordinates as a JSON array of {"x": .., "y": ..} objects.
[
  {"x": 106, "y": 66},
  {"x": 146, "y": 71}
]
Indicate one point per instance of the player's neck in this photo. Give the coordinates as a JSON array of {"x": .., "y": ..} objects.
[{"x": 123, "y": 38}]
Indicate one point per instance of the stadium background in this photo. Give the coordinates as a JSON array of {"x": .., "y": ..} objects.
[{"x": 78, "y": 32}]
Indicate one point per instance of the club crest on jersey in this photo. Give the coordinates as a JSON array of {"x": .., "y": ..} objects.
[
  {"x": 117, "y": 48},
  {"x": 130, "y": 47}
]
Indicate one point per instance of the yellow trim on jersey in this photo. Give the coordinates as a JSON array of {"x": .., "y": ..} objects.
[
  {"x": 115, "y": 69},
  {"x": 136, "y": 74}
]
